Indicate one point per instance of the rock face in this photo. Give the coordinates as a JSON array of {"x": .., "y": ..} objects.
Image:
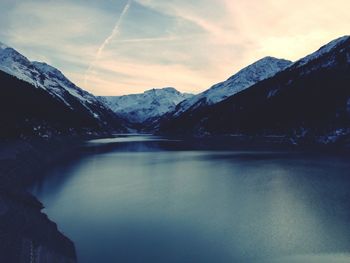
[
  {"x": 39, "y": 97},
  {"x": 306, "y": 101},
  {"x": 139, "y": 108}
]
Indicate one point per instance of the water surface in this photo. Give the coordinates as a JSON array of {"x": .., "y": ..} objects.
[{"x": 148, "y": 199}]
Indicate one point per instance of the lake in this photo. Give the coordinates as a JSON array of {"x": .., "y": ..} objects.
[{"x": 150, "y": 199}]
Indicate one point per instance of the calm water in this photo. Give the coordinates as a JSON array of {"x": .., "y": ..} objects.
[{"x": 143, "y": 199}]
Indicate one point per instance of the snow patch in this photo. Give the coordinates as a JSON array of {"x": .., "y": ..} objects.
[
  {"x": 245, "y": 78},
  {"x": 322, "y": 51},
  {"x": 46, "y": 77},
  {"x": 150, "y": 104}
]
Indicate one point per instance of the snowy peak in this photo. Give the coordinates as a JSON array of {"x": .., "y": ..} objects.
[
  {"x": 41, "y": 75},
  {"x": 168, "y": 91},
  {"x": 258, "y": 71},
  {"x": 324, "y": 50},
  {"x": 248, "y": 76},
  {"x": 261, "y": 69},
  {"x": 45, "y": 77},
  {"x": 153, "y": 103},
  {"x": 163, "y": 90},
  {"x": 333, "y": 44},
  {"x": 10, "y": 53},
  {"x": 14, "y": 63}
]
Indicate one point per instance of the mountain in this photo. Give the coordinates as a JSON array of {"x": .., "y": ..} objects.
[
  {"x": 262, "y": 69},
  {"x": 139, "y": 108},
  {"x": 309, "y": 101},
  {"x": 35, "y": 95}
]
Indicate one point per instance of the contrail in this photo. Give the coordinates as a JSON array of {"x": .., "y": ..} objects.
[{"x": 114, "y": 32}]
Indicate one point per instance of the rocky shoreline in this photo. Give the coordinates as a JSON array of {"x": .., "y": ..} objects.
[{"x": 26, "y": 234}]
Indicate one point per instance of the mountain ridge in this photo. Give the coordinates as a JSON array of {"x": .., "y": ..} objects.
[
  {"x": 141, "y": 107},
  {"x": 304, "y": 100},
  {"x": 244, "y": 78},
  {"x": 43, "y": 78},
  {"x": 264, "y": 84}
]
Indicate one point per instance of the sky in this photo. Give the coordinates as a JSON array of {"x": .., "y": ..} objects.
[{"x": 117, "y": 47}]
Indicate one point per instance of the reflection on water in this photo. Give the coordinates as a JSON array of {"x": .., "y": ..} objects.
[
  {"x": 127, "y": 138},
  {"x": 147, "y": 199}
]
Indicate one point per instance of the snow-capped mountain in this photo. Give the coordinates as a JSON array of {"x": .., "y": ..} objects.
[
  {"x": 43, "y": 76},
  {"x": 321, "y": 52},
  {"x": 306, "y": 102},
  {"x": 260, "y": 70},
  {"x": 153, "y": 103},
  {"x": 49, "y": 79}
]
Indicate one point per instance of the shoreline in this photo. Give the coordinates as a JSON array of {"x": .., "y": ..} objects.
[{"x": 26, "y": 233}]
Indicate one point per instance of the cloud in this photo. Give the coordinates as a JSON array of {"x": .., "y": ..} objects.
[
  {"x": 112, "y": 35},
  {"x": 289, "y": 29},
  {"x": 57, "y": 31},
  {"x": 187, "y": 44},
  {"x": 135, "y": 75}
]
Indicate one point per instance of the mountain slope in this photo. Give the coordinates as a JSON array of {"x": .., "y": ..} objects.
[
  {"x": 309, "y": 100},
  {"x": 72, "y": 106},
  {"x": 138, "y": 108},
  {"x": 262, "y": 69},
  {"x": 50, "y": 97}
]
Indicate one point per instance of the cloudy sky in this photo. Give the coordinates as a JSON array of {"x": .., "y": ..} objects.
[{"x": 116, "y": 47}]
